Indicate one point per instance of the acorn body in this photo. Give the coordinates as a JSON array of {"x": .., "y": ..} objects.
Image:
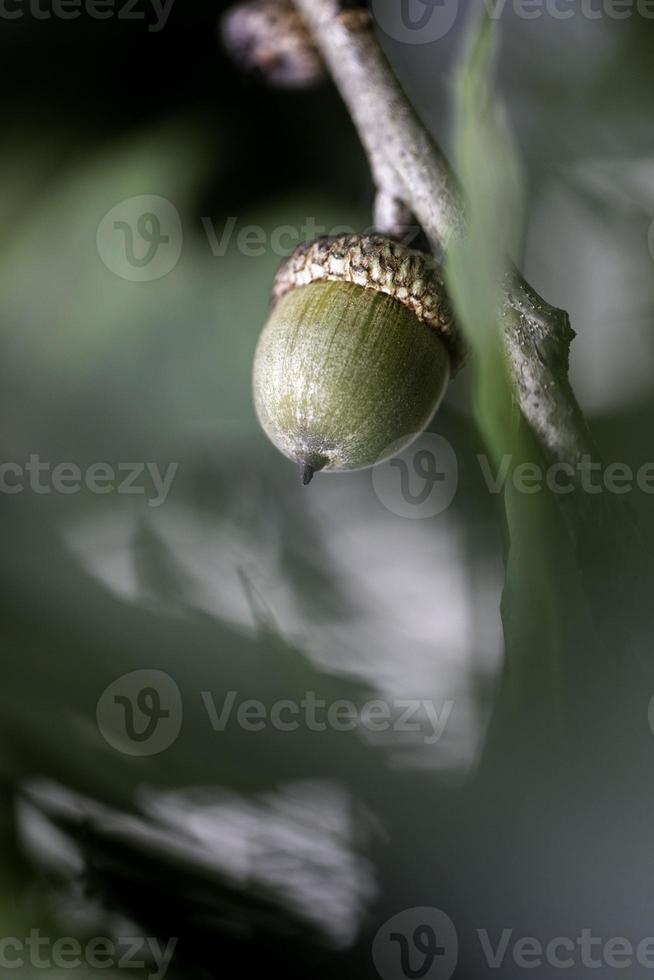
[{"x": 346, "y": 374}]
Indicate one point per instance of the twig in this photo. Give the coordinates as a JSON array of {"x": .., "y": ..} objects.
[
  {"x": 404, "y": 161},
  {"x": 407, "y": 165}
]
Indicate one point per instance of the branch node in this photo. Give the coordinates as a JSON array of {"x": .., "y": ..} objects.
[{"x": 355, "y": 19}]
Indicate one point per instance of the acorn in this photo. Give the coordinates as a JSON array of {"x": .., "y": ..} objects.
[{"x": 356, "y": 354}]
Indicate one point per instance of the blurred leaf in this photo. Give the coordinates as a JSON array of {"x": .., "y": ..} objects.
[{"x": 536, "y": 602}]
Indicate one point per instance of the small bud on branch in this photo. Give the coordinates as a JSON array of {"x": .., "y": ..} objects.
[{"x": 270, "y": 38}]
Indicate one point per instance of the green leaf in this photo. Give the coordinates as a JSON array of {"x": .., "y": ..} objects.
[{"x": 540, "y": 588}]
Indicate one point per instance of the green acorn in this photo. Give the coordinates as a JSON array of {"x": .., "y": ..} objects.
[{"x": 357, "y": 353}]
